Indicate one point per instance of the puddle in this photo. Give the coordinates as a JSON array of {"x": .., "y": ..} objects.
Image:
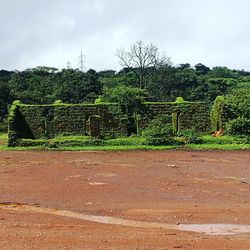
[
  {"x": 97, "y": 183},
  {"x": 215, "y": 229},
  {"x": 208, "y": 229}
]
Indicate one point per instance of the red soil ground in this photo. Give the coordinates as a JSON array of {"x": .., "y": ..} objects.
[{"x": 167, "y": 187}]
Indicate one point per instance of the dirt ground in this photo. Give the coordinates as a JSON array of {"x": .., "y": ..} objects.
[{"x": 125, "y": 200}]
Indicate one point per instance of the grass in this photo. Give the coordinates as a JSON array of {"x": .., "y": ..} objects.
[
  {"x": 84, "y": 143},
  {"x": 226, "y": 139},
  {"x": 3, "y": 137},
  {"x": 219, "y": 146}
]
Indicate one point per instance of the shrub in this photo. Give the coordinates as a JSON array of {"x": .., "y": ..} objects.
[
  {"x": 99, "y": 100},
  {"x": 179, "y": 100},
  {"x": 239, "y": 126},
  {"x": 17, "y": 102},
  {"x": 190, "y": 136},
  {"x": 58, "y": 102},
  {"x": 157, "y": 134},
  {"x": 238, "y": 104}
]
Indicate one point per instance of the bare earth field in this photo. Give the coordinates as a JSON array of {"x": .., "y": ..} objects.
[{"x": 125, "y": 200}]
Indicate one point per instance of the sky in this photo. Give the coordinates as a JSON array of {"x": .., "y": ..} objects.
[{"x": 53, "y": 32}]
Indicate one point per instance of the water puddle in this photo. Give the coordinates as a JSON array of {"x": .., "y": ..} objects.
[
  {"x": 208, "y": 229},
  {"x": 97, "y": 183}
]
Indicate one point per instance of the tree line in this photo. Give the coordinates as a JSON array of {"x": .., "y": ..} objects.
[{"x": 144, "y": 68}]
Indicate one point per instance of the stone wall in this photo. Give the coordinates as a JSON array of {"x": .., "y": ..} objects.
[
  {"x": 49, "y": 121},
  {"x": 186, "y": 115},
  {"x": 99, "y": 120}
]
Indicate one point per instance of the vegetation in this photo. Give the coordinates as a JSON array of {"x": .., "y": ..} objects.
[
  {"x": 142, "y": 60},
  {"x": 147, "y": 76},
  {"x": 157, "y": 134},
  {"x": 189, "y": 136},
  {"x": 239, "y": 126},
  {"x": 126, "y": 143},
  {"x": 128, "y": 97},
  {"x": 163, "y": 82},
  {"x": 238, "y": 111}
]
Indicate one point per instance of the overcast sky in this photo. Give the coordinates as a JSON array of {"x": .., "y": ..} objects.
[{"x": 52, "y": 32}]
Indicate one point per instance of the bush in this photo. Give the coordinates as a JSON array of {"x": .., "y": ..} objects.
[
  {"x": 157, "y": 134},
  {"x": 180, "y": 100},
  {"x": 239, "y": 126},
  {"x": 190, "y": 136},
  {"x": 58, "y": 102},
  {"x": 17, "y": 102},
  {"x": 237, "y": 103}
]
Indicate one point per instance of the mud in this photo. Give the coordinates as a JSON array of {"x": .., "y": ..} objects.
[
  {"x": 125, "y": 200},
  {"x": 209, "y": 229}
]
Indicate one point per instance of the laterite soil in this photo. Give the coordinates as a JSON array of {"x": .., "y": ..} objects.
[{"x": 44, "y": 195}]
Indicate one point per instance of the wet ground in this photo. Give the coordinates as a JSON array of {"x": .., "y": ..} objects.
[{"x": 125, "y": 200}]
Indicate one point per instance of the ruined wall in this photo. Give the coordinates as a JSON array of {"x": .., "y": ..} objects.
[
  {"x": 184, "y": 115},
  {"x": 99, "y": 120},
  {"x": 49, "y": 121}
]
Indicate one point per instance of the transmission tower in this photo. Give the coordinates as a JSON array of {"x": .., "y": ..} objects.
[
  {"x": 68, "y": 65},
  {"x": 81, "y": 62}
]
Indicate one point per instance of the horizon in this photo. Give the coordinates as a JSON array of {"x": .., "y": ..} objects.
[{"x": 111, "y": 69}]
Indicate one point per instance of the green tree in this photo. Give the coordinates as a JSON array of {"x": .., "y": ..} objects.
[
  {"x": 238, "y": 103},
  {"x": 75, "y": 86},
  {"x": 5, "y": 99},
  {"x": 222, "y": 72},
  {"x": 237, "y": 109},
  {"x": 128, "y": 97}
]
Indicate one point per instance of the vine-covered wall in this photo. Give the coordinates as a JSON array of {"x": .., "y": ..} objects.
[
  {"x": 99, "y": 120},
  {"x": 49, "y": 121},
  {"x": 182, "y": 115}
]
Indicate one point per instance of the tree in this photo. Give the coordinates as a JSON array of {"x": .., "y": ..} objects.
[
  {"x": 221, "y": 72},
  {"x": 129, "y": 97},
  {"x": 201, "y": 69},
  {"x": 76, "y": 87},
  {"x": 237, "y": 107},
  {"x": 5, "y": 99},
  {"x": 142, "y": 60},
  {"x": 238, "y": 104}
]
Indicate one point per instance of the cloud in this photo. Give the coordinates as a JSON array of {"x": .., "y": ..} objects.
[{"x": 53, "y": 32}]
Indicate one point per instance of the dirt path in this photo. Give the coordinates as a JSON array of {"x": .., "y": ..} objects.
[{"x": 125, "y": 200}]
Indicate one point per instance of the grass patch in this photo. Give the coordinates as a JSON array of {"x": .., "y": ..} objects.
[
  {"x": 3, "y": 137},
  {"x": 85, "y": 143},
  {"x": 225, "y": 139},
  {"x": 219, "y": 146},
  {"x": 3, "y": 140}
]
